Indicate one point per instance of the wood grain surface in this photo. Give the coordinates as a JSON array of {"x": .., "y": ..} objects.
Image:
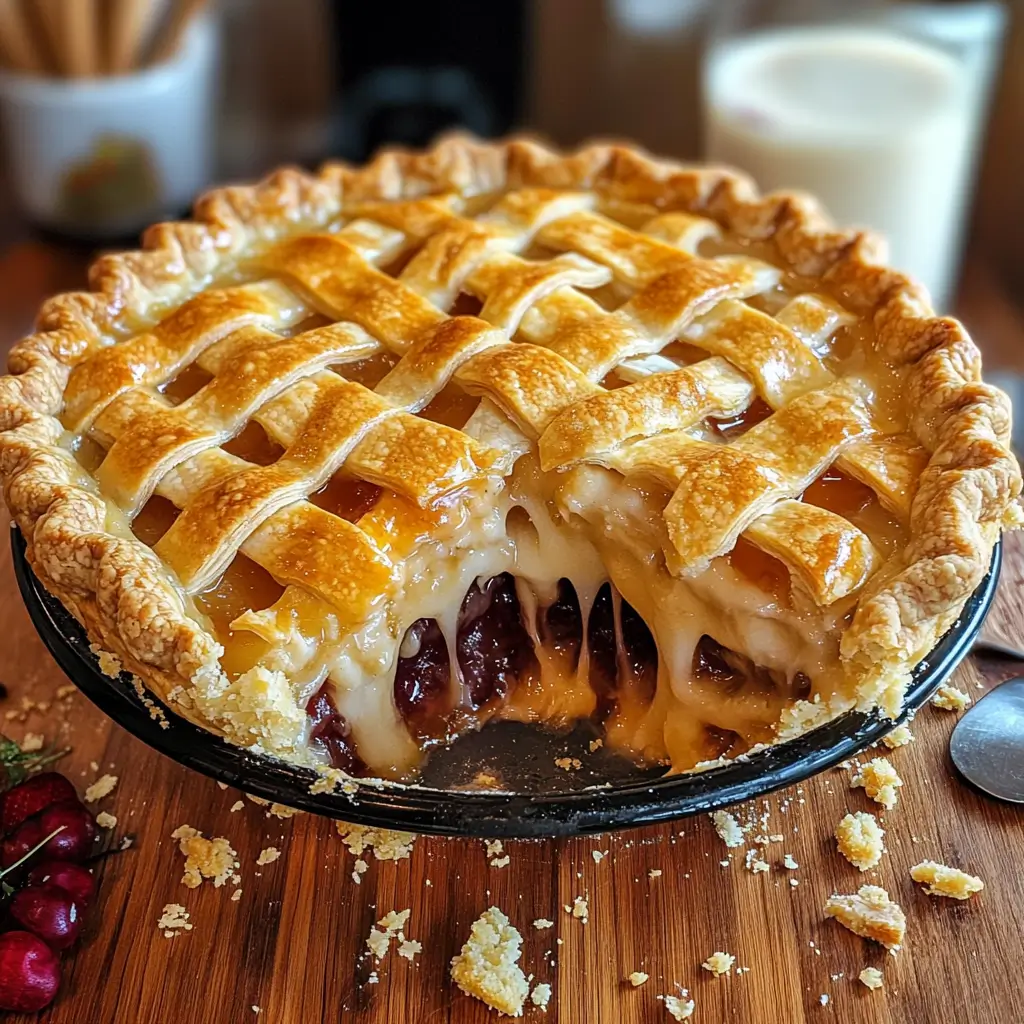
[{"x": 293, "y": 944}]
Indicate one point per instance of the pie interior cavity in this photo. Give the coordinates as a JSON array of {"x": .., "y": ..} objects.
[{"x": 356, "y": 461}]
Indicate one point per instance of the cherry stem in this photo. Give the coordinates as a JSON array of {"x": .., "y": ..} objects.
[{"x": 35, "y": 849}]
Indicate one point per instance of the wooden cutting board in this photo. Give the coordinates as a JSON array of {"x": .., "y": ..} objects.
[{"x": 293, "y": 943}]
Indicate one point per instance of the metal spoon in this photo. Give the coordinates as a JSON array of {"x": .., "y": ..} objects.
[{"x": 987, "y": 745}]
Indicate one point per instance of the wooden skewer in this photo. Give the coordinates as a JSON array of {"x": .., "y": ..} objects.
[
  {"x": 50, "y": 18},
  {"x": 169, "y": 39},
  {"x": 19, "y": 50},
  {"x": 129, "y": 21},
  {"x": 81, "y": 32}
]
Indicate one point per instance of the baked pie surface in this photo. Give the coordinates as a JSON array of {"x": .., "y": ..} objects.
[{"x": 355, "y": 461}]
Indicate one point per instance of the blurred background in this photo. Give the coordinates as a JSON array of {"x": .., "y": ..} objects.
[{"x": 904, "y": 116}]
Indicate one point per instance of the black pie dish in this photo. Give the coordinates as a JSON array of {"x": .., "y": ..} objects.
[{"x": 607, "y": 793}]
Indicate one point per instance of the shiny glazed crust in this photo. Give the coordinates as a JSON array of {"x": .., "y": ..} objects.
[{"x": 118, "y": 588}]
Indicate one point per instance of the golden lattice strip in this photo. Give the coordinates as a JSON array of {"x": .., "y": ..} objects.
[
  {"x": 344, "y": 549},
  {"x": 890, "y": 466},
  {"x": 152, "y": 445},
  {"x": 528, "y": 383},
  {"x": 305, "y": 546},
  {"x": 721, "y": 489},
  {"x": 813, "y": 319},
  {"x": 156, "y": 356},
  {"x": 773, "y": 357},
  {"x": 827, "y": 557},
  {"x": 343, "y": 285},
  {"x": 214, "y": 524},
  {"x": 590, "y": 427}
]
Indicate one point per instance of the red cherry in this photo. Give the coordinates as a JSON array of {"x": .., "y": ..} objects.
[
  {"x": 73, "y": 843},
  {"x": 49, "y": 912},
  {"x": 27, "y": 798},
  {"x": 74, "y": 879},
  {"x": 29, "y": 972}
]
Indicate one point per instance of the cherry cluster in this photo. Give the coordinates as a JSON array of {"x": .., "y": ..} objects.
[{"x": 48, "y": 835}]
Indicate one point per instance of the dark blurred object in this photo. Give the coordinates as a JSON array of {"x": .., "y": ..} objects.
[{"x": 410, "y": 70}]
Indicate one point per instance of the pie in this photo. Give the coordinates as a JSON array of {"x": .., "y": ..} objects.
[{"x": 355, "y": 462}]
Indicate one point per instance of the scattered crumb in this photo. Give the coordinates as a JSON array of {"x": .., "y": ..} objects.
[
  {"x": 236, "y": 895},
  {"x": 32, "y": 742},
  {"x": 679, "y": 1007},
  {"x": 501, "y": 862},
  {"x": 899, "y": 737},
  {"x": 859, "y": 839},
  {"x": 488, "y": 966},
  {"x": 719, "y": 963},
  {"x": 332, "y": 779},
  {"x": 385, "y": 843},
  {"x": 283, "y": 811},
  {"x": 542, "y": 923},
  {"x": 872, "y": 977},
  {"x": 204, "y": 858},
  {"x": 485, "y": 780},
  {"x": 598, "y": 855},
  {"x": 823, "y": 999},
  {"x": 654, "y": 873},
  {"x": 173, "y": 920},
  {"x": 940, "y": 880},
  {"x": 638, "y": 978},
  {"x": 105, "y": 820},
  {"x": 541, "y": 995},
  {"x": 880, "y": 781},
  {"x": 126, "y": 841},
  {"x": 568, "y": 764},
  {"x": 789, "y": 862},
  {"x": 409, "y": 948},
  {"x": 379, "y": 939},
  {"x": 494, "y": 847},
  {"x": 754, "y": 863},
  {"x": 102, "y": 787},
  {"x": 237, "y": 806},
  {"x": 580, "y": 909},
  {"x": 268, "y": 856},
  {"x": 595, "y": 745},
  {"x": 728, "y": 828},
  {"x": 871, "y": 914},
  {"x": 66, "y": 691},
  {"x": 109, "y": 664},
  {"x": 949, "y": 698}
]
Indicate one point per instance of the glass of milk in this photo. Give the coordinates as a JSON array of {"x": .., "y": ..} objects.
[{"x": 873, "y": 110}]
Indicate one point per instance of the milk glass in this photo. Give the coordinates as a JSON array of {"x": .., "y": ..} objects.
[{"x": 874, "y": 108}]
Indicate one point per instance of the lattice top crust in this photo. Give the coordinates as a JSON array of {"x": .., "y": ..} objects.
[{"x": 611, "y": 314}]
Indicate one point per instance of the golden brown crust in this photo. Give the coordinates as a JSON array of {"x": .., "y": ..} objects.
[{"x": 130, "y": 604}]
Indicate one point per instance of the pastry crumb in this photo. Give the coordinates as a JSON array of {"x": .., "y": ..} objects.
[
  {"x": 109, "y": 663},
  {"x": 204, "y": 858},
  {"x": 940, "y": 880},
  {"x": 488, "y": 968},
  {"x": 679, "y": 1007},
  {"x": 379, "y": 940},
  {"x": 579, "y": 909},
  {"x": 880, "y": 781},
  {"x": 236, "y": 895},
  {"x": 409, "y": 949},
  {"x": 870, "y": 914},
  {"x": 32, "y": 742},
  {"x": 598, "y": 855},
  {"x": 654, "y": 873},
  {"x": 719, "y": 963},
  {"x": 332, "y": 779},
  {"x": 237, "y": 806},
  {"x": 173, "y": 920},
  {"x": 899, "y": 737},
  {"x": 102, "y": 787},
  {"x": 541, "y": 995},
  {"x": 638, "y": 978},
  {"x": 949, "y": 698},
  {"x": 595, "y": 745},
  {"x": 568, "y": 764},
  {"x": 542, "y": 922},
  {"x": 728, "y": 828},
  {"x": 859, "y": 838},
  {"x": 386, "y": 844},
  {"x": 871, "y": 977},
  {"x": 105, "y": 820},
  {"x": 268, "y": 856},
  {"x": 789, "y": 862}
]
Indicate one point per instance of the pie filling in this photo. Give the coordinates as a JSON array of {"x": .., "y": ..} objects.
[{"x": 545, "y": 598}]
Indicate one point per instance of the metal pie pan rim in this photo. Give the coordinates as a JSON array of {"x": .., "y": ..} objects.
[{"x": 488, "y": 813}]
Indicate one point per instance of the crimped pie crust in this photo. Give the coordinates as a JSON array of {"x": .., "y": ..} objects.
[{"x": 122, "y": 593}]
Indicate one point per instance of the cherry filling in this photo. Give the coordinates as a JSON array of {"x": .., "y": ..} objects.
[
  {"x": 331, "y": 729},
  {"x": 637, "y": 660},
  {"x": 562, "y": 623},
  {"x": 422, "y": 692},
  {"x": 492, "y": 644},
  {"x": 719, "y": 664}
]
